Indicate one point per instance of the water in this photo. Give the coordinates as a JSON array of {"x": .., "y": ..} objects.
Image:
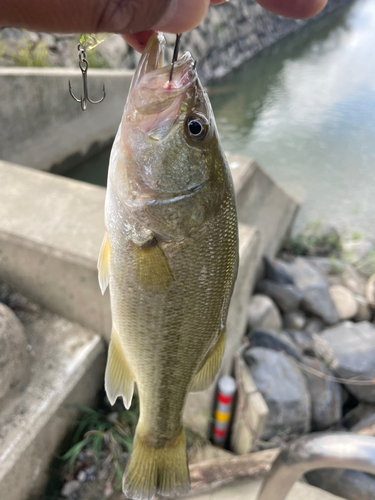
[{"x": 305, "y": 109}]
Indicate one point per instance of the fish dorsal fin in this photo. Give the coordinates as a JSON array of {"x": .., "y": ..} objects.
[
  {"x": 206, "y": 375},
  {"x": 119, "y": 380},
  {"x": 103, "y": 264},
  {"x": 153, "y": 271}
]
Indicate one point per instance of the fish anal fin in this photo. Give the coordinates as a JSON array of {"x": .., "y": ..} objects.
[
  {"x": 153, "y": 271},
  {"x": 206, "y": 375},
  {"x": 157, "y": 470},
  {"x": 119, "y": 380},
  {"x": 103, "y": 264}
]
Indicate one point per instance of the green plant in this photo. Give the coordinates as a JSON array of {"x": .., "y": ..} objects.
[
  {"x": 31, "y": 54},
  {"x": 314, "y": 241},
  {"x": 110, "y": 434},
  {"x": 356, "y": 236}
]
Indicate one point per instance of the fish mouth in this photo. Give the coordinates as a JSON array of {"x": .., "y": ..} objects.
[{"x": 152, "y": 90}]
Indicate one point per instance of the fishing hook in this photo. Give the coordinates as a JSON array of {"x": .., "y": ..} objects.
[
  {"x": 175, "y": 54},
  {"x": 83, "y": 65}
]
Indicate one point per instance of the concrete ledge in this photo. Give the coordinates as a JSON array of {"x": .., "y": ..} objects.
[
  {"x": 67, "y": 368},
  {"x": 51, "y": 229},
  {"x": 44, "y": 128}
]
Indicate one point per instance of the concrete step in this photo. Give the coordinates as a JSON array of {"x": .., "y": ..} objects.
[
  {"x": 51, "y": 230},
  {"x": 67, "y": 368}
]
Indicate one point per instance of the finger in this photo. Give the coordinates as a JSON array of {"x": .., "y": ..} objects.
[
  {"x": 297, "y": 9},
  {"x": 182, "y": 15}
]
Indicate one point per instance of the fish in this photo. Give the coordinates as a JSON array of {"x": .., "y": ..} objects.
[{"x": 170, "y": 257}]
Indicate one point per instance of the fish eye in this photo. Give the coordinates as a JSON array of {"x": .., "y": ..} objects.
[{"x": 197, "y": 127}]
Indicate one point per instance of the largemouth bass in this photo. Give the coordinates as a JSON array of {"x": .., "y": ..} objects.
[{"x": 169, "y": 255}]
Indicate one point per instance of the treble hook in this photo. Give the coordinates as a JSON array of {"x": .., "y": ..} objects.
[
  {"x": 83, "y": 65},
  {"x": 175, "y": 54}
]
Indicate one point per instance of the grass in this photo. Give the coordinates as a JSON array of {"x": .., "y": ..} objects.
[
  {"x": 105, "y": 434},
  {"x": 314, "y": 241},
  {"x": 31, "y": 54}
]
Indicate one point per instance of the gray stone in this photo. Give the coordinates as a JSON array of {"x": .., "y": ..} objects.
[
  {"x": 69, "y": 488},
  {"x": 317, "y": 301},
  {"x": 302, "y": 340},
  {"x": 344, "y": 301},
  {"x": 363, "y": 309},
  {"x": 271, "y": 340},
  {"x": 351, "y": 354},
  {"x": 294, "y": 320},
  {"x": 263, "y": 313},
  {"x": 306, "y": 274},
  {"x": 14, "y": 357},
  {"x": 286, "y": 296},
  {"x": 349, "y": 484},
  {"x": 327, "y": 265},
  {"x": 277, "y": 270},
  {"x": 284, "y": 389},
  {"x": 353, "y": 281},
  {"x": 366, "y": 415},
  {"x": 314, "y": 325},
  {"x": 370, "y": 291},
  {"x": 326, "y": 396},
  {"x": 356, "y": 250}
]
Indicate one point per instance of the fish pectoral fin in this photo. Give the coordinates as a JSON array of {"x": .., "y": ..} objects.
[
  {"x": 206, "y": 375},
  {"x": 119, "y": 380},
  {"x": 153, "y": 271},
  {"x": 103, "y": 264}
]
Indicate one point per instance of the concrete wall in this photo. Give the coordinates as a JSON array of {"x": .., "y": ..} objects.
[{"x": 44, "y": 128}]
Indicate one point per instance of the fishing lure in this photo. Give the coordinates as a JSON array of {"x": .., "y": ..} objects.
[{"x": 87, "y": 41}]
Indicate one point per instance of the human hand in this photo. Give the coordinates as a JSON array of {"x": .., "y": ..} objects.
[{"x": 135, "y": 19}]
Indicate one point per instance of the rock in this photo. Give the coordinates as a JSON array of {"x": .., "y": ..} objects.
[
  {"x": 314, "y": 287},
  {"x": 361, "y": 413},
  {"x": 344, "y": 301},
  {"x": 294, "y": 320},
  {"x": 363, "y": 309},
  {"x": 270, "y": 340},
  {"x": 350, "y": 353},
  {"x": 114, "y": 50},
  {"x": 327, "y": 265},
  {"x": 286, "y": 296},
  {"x": 370, "y": 291},
  {"x": 302, "y": 340},
  {"x": 326, "y": 396},
  {"x": 69, "y": 488},
  {"x": 314, "y": 325},
  {"x": 14, "y": 358},
  {"x": 317, "y": 301},
  {"x": 353, "y": 281},
  {"x": 367, "y": 420},
  {"x": 345, "y": 483},
  {"x": 356, "y": 250},
  {"x": 277, "y": 271},
  {"x": 289, "y": 401},
  {"x": 263, "y": 313},
  {"x": 366, "y": 267},
  {"x": 306, "y": 274}
]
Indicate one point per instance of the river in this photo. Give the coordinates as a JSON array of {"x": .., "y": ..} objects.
[{"x": 305, "y": 110}]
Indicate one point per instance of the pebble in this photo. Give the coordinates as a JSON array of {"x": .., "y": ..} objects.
[
  {"x": 295, "y": 320},
  {"x": 344, "y": 301},
  {"x": 263, "y": 313},
  {"x": 69, "y": 488}
]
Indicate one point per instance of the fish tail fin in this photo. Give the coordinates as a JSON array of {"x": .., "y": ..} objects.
[{"x": 153, "y": 470}]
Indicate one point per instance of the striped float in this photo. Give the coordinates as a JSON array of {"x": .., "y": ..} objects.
[{"x": 223, "y": 412}]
